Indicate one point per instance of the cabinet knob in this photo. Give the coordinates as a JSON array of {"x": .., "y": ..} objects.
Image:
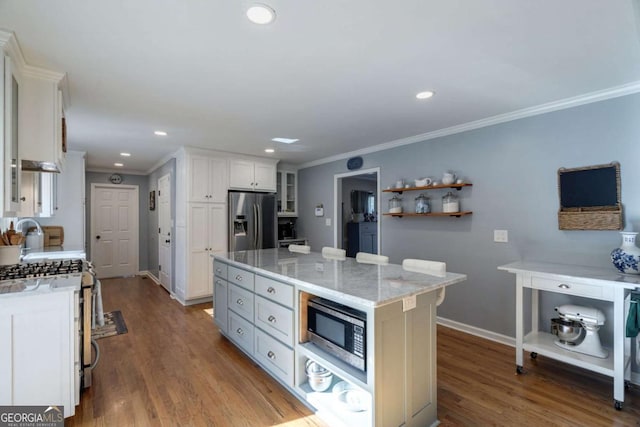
[
  {"x": 272, "y": 319},
  {"x": 271, "y": 355},
  {"x": 218, "y": 270},
  {"x": 239, "y": 331},
  {"x": 271, "y": 290},
  {"x": 239, "y": 301},
  {"x": 563, "y": 286},
  {"x": 239, "y": 278}
]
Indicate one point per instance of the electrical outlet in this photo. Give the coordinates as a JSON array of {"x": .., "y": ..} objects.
[
  {"x": 409, "y": 303},
  {"x": 501, "y": 236},
  {"x": 327, "y": 222}
]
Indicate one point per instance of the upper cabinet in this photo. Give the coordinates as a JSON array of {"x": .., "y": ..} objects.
[
  {"x": 253, "y": 175},
  {"x": 41, "y": 120},
  {"x": 207, "y": 179},
  {"x": 10, "y": 93},
  {"x": 287, "y": 186}
]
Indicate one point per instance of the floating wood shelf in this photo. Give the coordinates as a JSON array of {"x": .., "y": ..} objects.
[
  {"x": 456, "y": 214},
  {"x": 429, "y": 187}
]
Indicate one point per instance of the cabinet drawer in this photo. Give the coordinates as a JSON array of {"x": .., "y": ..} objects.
[
  {"x": 220, "y": 269},
  {"x": 241, "y": 301},
  {"x": 241, "y": 332},
  {"x": 275, "y": 291},
  {"x": 274, "y": 319},
  {"x": 274, "y": 356},
  {"x": 240, "y": 277},
  {"x": 570, "y": 288}
]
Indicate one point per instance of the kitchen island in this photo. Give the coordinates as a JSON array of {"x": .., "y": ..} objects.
[{"x": 260, "y": 304}]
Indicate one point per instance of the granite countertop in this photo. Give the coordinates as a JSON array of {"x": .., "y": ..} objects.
[{"x": 366, "y": 284}]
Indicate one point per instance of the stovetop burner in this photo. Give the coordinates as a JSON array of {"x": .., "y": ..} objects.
[{"x": 40, "y": 269}]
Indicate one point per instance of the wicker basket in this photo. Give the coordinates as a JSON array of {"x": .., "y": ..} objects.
[{"x": 591, "y": 217}]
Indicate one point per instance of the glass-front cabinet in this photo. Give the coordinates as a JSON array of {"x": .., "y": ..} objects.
[
  {"x": 11, "y": 165},
  {"x": 287, "y": 185}
]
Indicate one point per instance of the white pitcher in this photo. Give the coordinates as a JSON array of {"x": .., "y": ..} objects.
[{"x": 448, "y": 178}]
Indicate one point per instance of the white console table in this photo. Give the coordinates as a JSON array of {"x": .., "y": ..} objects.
[{"x": 596, "y": 283}]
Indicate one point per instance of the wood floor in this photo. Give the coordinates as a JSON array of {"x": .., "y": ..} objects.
[{"x": 173, "y": 369}]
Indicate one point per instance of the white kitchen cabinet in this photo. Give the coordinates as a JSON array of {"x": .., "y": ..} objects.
[
  {"x": 220, "y": 305},
  {"x": 38, "y": 194},
  {"x": 41, "y": 135},
  {"x": 245, "y": 174},
  {"x": 287, "y": 187},
  {"x": 206, "y": 236},
  {"x": 207, "y": 179},
  {"x": 37, "y": 359},
  {"x": 9, "y": 132}
]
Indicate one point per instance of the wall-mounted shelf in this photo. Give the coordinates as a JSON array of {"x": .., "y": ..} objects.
[
  {"x": 456, "y": 214},
  {"x": 429, "y": 187}
]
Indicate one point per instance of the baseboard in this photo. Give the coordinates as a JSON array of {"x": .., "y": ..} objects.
[{"x": 499, "y": 338}]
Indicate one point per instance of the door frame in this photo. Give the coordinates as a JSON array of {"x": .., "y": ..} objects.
[
  {"x": 337, "y": 203},
  {"x": 136, "y": 251}
]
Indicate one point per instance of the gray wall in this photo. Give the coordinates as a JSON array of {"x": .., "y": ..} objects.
[
  {"x": 513, "y": 168},
  {"x": 168, "y": 168},
  {"x": 143, "y": 209}
]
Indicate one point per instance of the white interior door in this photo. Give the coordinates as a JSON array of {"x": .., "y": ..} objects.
[
  {"x": 164, "y": 231},
  {"x": 114, "y": 230}
]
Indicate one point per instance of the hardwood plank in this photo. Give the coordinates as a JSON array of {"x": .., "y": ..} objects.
[{"x": 173, "y": 368}]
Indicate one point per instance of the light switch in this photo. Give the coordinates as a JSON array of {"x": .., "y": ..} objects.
[{"x": 501, "y": 236}]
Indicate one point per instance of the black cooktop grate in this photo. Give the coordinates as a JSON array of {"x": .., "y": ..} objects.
[{"x": 41, "y": 269}]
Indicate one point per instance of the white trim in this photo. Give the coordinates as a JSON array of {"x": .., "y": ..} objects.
[
  {"x": 499, "y": 338},
  {"x": 149, "y": 275},
  {"x": 136, "y": 225},
  {"x": 337, "y": 228},
  {"x": 588, "y": 98},
  {"x": 114, "y": 170},
  {"x": 478, "y": 332}
]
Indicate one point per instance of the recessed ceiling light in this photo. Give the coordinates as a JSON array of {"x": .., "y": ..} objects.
[
  {"x": 425, "y": 95},
  {"x": 261, "y": 14},
  {"x": 119, "y": 165},
  {"x": 285, "y": 140},
  {"x": 160, "y": 133},
  {"x": 269, "y": 150},
  {"x": 125, "y": 154}
]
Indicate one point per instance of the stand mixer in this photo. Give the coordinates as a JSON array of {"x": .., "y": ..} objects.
[{"x": 591, "y": 319}]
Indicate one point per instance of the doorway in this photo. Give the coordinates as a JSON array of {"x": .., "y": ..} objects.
[
  {"x": 114, "y": 230},
  {"x": 356, "y": 203},
  {"x": 164, "y": 231}
]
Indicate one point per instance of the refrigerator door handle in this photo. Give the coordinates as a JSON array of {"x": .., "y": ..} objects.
[
  {"x": 259, "y": 228},
  {"x": 255, "y": 226}
]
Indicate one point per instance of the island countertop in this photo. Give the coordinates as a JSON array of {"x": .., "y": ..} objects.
[{"x": 366, "y": 284}]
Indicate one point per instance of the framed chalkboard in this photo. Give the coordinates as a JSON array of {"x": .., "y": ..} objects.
[{"x": 590, "y": 198}]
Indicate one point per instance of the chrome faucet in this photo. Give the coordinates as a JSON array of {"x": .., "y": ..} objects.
[{"x": 23, "y": 220}]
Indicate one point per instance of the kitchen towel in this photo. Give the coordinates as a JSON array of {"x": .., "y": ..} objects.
[{"x": 633, "y": 318}]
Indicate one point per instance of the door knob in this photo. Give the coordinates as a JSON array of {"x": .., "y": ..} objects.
[{"x": 98, "y": 237}]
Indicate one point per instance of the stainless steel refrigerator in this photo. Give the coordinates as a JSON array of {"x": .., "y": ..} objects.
[{"x": 252, "y": 221}]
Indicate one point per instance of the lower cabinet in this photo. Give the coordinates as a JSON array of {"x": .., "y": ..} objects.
[
  {"x": 220, "y": 288},
  {"x": 274, "y": 356},
  {"x": 37, "y": 345},
  {"x": 241, "y": 332}
]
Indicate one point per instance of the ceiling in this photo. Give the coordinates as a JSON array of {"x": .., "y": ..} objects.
[{"x": 339, "y": 75}]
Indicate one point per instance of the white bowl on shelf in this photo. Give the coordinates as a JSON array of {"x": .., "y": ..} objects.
[{"x": 351, "y": 397}]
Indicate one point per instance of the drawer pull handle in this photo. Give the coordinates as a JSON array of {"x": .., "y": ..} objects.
[
  {"x": 272, "y": 319},
  {"x": 218, "y": 270},
  {"x": 563, "y": 286},
  {"x": 239, "y": 278},
  {"x": 271, "y": 355},
  {"x": 239, "y": 301},
  {"x": 240, "y": 331},
  {"x": 271, "y": 290}
]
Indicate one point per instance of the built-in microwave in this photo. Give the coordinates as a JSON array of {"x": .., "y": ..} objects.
[{"x": 338, "y": 330}]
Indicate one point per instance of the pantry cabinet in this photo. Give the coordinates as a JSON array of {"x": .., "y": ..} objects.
[
  {"x": 252, "y": 175},
  {"x": 207, "y": 226}
]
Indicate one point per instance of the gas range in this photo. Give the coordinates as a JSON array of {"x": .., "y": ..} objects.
[{"x": 35, "y": 275}]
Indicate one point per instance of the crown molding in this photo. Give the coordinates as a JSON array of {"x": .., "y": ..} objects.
[
  {"x": 588, "y": 98},
  {"x": 162, "y": 161},
  {"x": 114, "y": 170}
]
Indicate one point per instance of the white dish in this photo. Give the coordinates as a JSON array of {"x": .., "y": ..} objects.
[
  {"x": 395, "y": 210},
  {"x": 351, "y": 397}
]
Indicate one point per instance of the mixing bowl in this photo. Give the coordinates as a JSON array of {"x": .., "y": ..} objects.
[
  {"x": 319, "y": 377},
  {"x": 568, "y": 331}
]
